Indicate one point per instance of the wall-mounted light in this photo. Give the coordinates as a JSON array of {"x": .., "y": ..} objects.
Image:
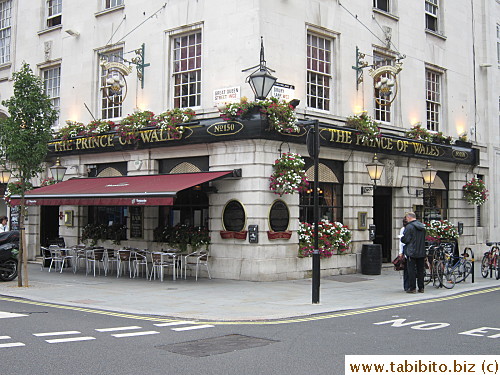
[
  {"x": 428, "y": 174},
  {"x": 261, "y": 81},
  {"x": 4, "y": 177},
  {"x": 58, "y": 171},
  {"x": 72, "y": 32},
  {"x": 375, "y": 169}
]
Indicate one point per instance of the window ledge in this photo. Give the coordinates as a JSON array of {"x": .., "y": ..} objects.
[
  {"x": 45, "y": 31},
  {"x": 437, "y": 35},
  {"x": 386, "y": 14},
  {"x": 5, "y": 66},
  {"x": 109, "y": 10}
]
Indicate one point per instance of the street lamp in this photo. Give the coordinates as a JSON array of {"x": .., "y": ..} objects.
[
  {"x": 428, "y": 174},
  {"x": 58, "y": 171},
  {"x": 375, "y": 169},
  {"x": 4, "y": 177},
  {"x": 261, "y": 81}
]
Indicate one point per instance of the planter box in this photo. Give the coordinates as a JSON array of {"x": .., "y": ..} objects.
[
  {"x": 225, "y": 234},
  {"x": 279, "y": 235}
]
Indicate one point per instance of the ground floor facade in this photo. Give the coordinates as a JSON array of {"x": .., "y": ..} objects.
[{"x": 253, "y": 231}]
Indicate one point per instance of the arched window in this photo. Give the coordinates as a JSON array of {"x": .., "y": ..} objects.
[{"x": 330, "y": 196}]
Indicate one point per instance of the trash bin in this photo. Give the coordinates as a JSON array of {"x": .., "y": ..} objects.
[{"x": 371, "y": 259}]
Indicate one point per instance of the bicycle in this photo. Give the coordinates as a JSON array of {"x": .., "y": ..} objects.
[
  {"x": 491, "y": 261},
  {"x": 433, "y": 269}
]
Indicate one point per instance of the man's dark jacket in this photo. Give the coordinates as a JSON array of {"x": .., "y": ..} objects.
[{"x": 414, "y": 239}]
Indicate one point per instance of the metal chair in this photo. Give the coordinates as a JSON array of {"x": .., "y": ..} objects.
[
  {"x": 46, "y": 257},
  {"x": 197, "y": 259},
  {"x": 95, "y": 257},
  {"x": 123, "y": 259},
  {"x": 140, "y": 261},
  {"x": 160, "y": 261}
]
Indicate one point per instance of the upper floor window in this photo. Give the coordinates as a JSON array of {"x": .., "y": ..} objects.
[
  {"x": 52, "y": 85},
  {"x": 187, "y": 70},
  {"x": 5, "y": 30},
  {"x": 498, "y": 44},
  {"x": 54, "y": 12},
  {"x": 382, "y": 104},
  {"x": 431, "y": 15},
  {"x": 112, "y": 3},
  {"x": 382, "y": 5},
  {"x": 433, "y": 99},
  {"x": 111, "y": 105},
  {"x": 319, "y": 71}
]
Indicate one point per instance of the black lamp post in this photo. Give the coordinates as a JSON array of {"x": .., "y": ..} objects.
[
  {"x": 261, "y": 81},
  {"x": 58, "y": 171}
]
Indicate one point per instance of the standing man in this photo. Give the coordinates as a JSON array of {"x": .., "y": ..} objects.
[
  {"x": 414, "y": 249},
  {"x": 406, "y": 285}
]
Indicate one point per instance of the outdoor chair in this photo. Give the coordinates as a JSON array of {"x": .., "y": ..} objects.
[
  {"x": 140, "y": 262},
  {"x": 46, "y": 257},
  {"x": 95, "y": 257},
  {"x": 59, "y": 257},
  {"x": 123, "y": 260},
  {"x": 196, "y": 260},
  {"x": 160, "y": 261},
  {"x": 110, "y": 259}
]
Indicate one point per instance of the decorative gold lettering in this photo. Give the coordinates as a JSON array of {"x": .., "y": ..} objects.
[{"x": 402, "y": 145}]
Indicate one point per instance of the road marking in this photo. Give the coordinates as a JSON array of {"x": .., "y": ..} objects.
[
  {"x": 5, "y": 337},
  {"x": 12, "y": 344},
  {"x": 263, "y": 322},
  {"x": 192, "y": 327},
  {"x": 130, "y": 334},
  {"x": 70, "y": 339},
  {"x": 181, "y": 322},
  {"x": 117, "y": 329},
  {"x": 4, "y": 315},
  {"x": 56, "y": 333}
]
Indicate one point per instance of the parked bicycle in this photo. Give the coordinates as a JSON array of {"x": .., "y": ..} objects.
[{"x": 491, "y": 261}]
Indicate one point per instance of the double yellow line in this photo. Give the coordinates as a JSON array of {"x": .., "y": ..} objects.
[{"x": 264, "y": 322}]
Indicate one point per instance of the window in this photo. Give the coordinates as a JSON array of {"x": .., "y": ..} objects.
[
  {"x": 431, "y": 15},
  {"x": 382, "y": 103},
  {"x": 498, "y": 44},
  {"x": 111, "y": 106},
  {"x": 5, "y": 27},
  {"x": 52, "y": 85},
  {"x": 319, "y": 70},
  {"x": 382, "y": 5},
  {"x": 54, "y": 13},
  {"x": 112, "y": 3},
  {"x": 433, "y": 99},
  {"x": 187, "y": 70}
]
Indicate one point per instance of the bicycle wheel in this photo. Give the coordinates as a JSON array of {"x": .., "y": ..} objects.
[
  {"x": 427, "y": 272},
  {"x": 485, "y": 266},
  {"x": 446, "y": 275},
  {"x": 463, "y": 270},
  {"x": 497, "y": 268},
  {"x": 436, "y": 283}
]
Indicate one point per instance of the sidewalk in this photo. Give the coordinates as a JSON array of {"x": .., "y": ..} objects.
[{"x": 225, "y": 300}]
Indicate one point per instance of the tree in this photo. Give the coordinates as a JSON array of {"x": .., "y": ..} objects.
[{"x": 24, "y": 135}]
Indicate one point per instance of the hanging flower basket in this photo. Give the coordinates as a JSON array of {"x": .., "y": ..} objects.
[
  {"x": 475, "y": 192},
  {"x": 332, "y": 238},
  {"x": 440, "y": 230},
  {"x": 289, "y": 175},
  {"x": 364, "y": 125}
]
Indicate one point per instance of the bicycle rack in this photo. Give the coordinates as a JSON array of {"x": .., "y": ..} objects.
[{"x": 467, "y": 250}]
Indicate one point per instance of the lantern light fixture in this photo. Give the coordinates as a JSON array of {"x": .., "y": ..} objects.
[
  {"x": 428, "y": 174},
  {"x": 261, "y": 80},
  {"x": 58, "y": 171},
  {"x": 375, "y": 169}
]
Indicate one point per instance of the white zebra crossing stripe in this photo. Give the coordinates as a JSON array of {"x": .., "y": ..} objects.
[
  {"x": 4, "y": 314},
  {"x": 174, "y": 323},
  {"x": 117, "y": 329},
  {"x": 4, "y": 337},
  {"x": 70, "y": 339},
  {"x": 192, "y": 327},
  {"x": 130, "y": 334},
  {"x": 56, "y": 333},
  {"x": 12, "y": 344}
]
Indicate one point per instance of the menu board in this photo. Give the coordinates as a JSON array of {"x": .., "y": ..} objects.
[
  {"x": 279, "y": 216},
  {"x": 234, "y": 216},
  {"x": 15, "y": 211},
  {"x": 135, "y": 222}
]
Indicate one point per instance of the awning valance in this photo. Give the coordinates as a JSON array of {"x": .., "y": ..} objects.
[{"x": 149, "y": 190}]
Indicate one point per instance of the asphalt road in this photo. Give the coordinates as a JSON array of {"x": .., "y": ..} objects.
[{"x": 62, "y": 340}]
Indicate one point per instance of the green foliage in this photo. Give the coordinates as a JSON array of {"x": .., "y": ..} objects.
[
  {"x": 181, "y": 236},
  {"x": 365, "y": 125},
  {"x": 25, "y": 133}
]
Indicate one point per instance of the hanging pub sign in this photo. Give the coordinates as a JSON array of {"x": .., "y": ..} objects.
[
  {"x": 385, "y": 83},
  {"x": 115, "y": 85}
]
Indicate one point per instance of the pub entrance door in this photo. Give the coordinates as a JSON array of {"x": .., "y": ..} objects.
[
  {"x": 49, "y": 225},
  {"x": 382, "y": 218}
]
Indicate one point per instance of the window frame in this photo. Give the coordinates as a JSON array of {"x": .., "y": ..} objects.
[
  {"x": 56, "y": 18},
  {"x": 435, "y": 15},
  {"x": 5, "y": 31},
  {"x": 328, "y": 88},
  {"x": 382, "y": 113},
  {"x": 55, "y": 100},
  {"x": 433, "y": 102},
  {"x": 181, "y": 99},
  {"x": 117, "y": 109},
  {"x": 376, "y": 5},
  {"x": 108, "y": 4}
]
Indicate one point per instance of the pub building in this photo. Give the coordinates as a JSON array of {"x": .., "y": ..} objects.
[
  {"x": 106, "y": 60},
  {"x": 216, "y": 176}
]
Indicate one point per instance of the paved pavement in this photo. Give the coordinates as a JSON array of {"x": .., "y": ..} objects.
[{"x": 224, "y": 300}]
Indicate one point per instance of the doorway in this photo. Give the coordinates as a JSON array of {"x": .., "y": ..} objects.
[
  {"x": 382, "y": 218},
  {"x": 49, "y": 225}
]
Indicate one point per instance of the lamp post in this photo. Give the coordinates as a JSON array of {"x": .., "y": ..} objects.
[
  {"x": 58, "y": 171},
  {"x": 261, "y": 81}
]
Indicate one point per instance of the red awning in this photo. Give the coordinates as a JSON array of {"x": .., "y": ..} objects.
[{"x": 150, "y": 190}]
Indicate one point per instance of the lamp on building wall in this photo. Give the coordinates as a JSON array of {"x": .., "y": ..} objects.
[
  {"x": 261, "y": 81},
  {"x": 428, "y": 174},
  {"x": 4, "y": 177},
  {"x": 375, "y": 169},
  {"x": 58, "y": 171}
]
